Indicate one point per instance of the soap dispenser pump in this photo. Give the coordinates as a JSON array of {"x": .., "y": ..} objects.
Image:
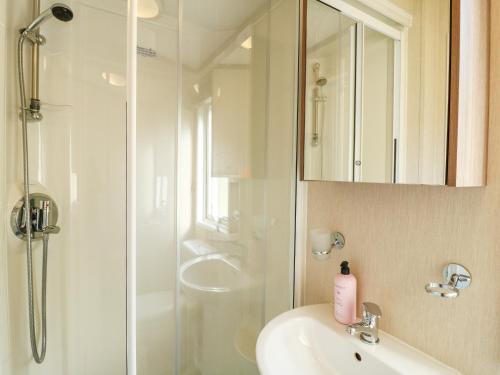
[{"x": 345, "y": 295}]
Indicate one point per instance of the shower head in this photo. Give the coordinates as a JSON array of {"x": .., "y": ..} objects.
[
  {"x": 60, "y": 11},
  {"x": 321, "y": 81}
]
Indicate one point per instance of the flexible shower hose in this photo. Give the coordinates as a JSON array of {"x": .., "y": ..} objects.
[{"x": 39, "y": 357}]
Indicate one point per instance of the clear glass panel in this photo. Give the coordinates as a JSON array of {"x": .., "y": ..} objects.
[
  {"x": 157, "y": 35},
  {"x": 235, "y": 179},
  {"x": 378, "y": 103},
  {"x": 329, "y": 108}
]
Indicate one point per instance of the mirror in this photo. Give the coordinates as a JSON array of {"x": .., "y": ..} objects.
[{"x": 374, "y": 89}]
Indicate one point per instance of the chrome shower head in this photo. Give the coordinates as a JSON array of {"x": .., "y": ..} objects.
[{"x": 60, "y": 11}]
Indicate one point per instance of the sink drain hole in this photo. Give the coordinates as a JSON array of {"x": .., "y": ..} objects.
[{"x": 357, "y": 356}]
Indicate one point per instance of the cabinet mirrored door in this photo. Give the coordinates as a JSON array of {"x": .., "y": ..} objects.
[
  {"x": 330, "y": 95},
  {"x": 374, "y": 91},
  {"x": 377, "y": 120}
]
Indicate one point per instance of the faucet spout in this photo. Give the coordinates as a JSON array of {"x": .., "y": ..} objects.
[
  {"x": 368, "y": 327},
  {"x": 359, "y": 327},
  {"x": 366, "y": 333}
]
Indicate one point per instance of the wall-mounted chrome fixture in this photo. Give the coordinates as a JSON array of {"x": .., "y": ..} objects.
[
  {"x": 35, "y": 215},
  {"x": 319, "y": 100},
  {"x": 322, "y": 241},
  {"x": 368, "y": 327},
  {"x": 31, "y": 32},
  {"x": 455, "y": 277},
  {"x": 44, "y": 215}
]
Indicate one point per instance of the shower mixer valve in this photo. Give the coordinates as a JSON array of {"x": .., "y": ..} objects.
[{"x": 43, "y": 217}]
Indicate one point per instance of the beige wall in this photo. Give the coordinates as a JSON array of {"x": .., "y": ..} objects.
[{"x": 400, "y": 237}]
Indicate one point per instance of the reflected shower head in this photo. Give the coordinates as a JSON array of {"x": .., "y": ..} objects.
[
  {"x": 321, "y": 81},
  {"x": 60, "y": 11}
]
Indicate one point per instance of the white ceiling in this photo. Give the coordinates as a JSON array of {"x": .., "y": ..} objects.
[{"x": 207, "y": 26}]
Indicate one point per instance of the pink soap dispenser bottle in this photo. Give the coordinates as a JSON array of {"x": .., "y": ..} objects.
[{"x": 345, "y": 295}]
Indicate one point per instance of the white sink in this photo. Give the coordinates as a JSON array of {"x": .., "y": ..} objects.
[{"x": 308, "y": 340}]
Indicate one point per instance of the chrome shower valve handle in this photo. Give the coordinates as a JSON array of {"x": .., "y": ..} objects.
[
  {"x": 43, "y": 217},
  {"x": 51, "y": 229}
]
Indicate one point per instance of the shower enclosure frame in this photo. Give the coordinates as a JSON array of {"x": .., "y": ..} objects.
[{"x": 131, "y": 170}]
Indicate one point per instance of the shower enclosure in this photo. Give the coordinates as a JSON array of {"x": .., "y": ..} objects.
[{"x": 168, "y": 143}]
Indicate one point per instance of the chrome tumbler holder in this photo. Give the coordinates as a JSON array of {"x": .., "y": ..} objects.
[{"x": 456, "y": 277}]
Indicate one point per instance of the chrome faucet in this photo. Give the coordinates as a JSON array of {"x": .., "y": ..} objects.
[{"x": 368, "y": 327}]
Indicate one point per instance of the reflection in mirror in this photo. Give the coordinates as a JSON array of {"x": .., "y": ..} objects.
[
  {"x": 376, "y": 91},
  {"x": 330, "y": 94},
  {"x": 375, "y": 156}
]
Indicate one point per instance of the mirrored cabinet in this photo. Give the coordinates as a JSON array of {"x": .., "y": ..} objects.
[{"x": 394, "y": 91}]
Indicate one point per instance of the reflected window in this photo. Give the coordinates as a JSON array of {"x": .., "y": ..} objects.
[{"x": 212, "y": 191}]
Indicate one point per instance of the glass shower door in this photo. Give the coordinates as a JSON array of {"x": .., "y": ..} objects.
[
  {"x": 157, "y": 101},
  {"x": 216, "y": 180},
  {"x": 236, "y": 193}
]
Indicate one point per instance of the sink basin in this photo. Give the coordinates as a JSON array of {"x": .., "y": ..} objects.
[{"x": 308, "y": 340}]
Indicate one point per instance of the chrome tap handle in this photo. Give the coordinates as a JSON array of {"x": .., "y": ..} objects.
[
  {"x": 368, "y": 328},
  {"x": 51, "y": 229},
  {"x": 45, "y": 208},
  {"x": 47, "y": 227},
  {"x": 41, "y": 218},
  {"x": 371, "y": 311},
  {"x": 36, "y": 219}
]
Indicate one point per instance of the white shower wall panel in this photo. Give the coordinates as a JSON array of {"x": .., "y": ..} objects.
[{"x": 80, "y": 161}]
